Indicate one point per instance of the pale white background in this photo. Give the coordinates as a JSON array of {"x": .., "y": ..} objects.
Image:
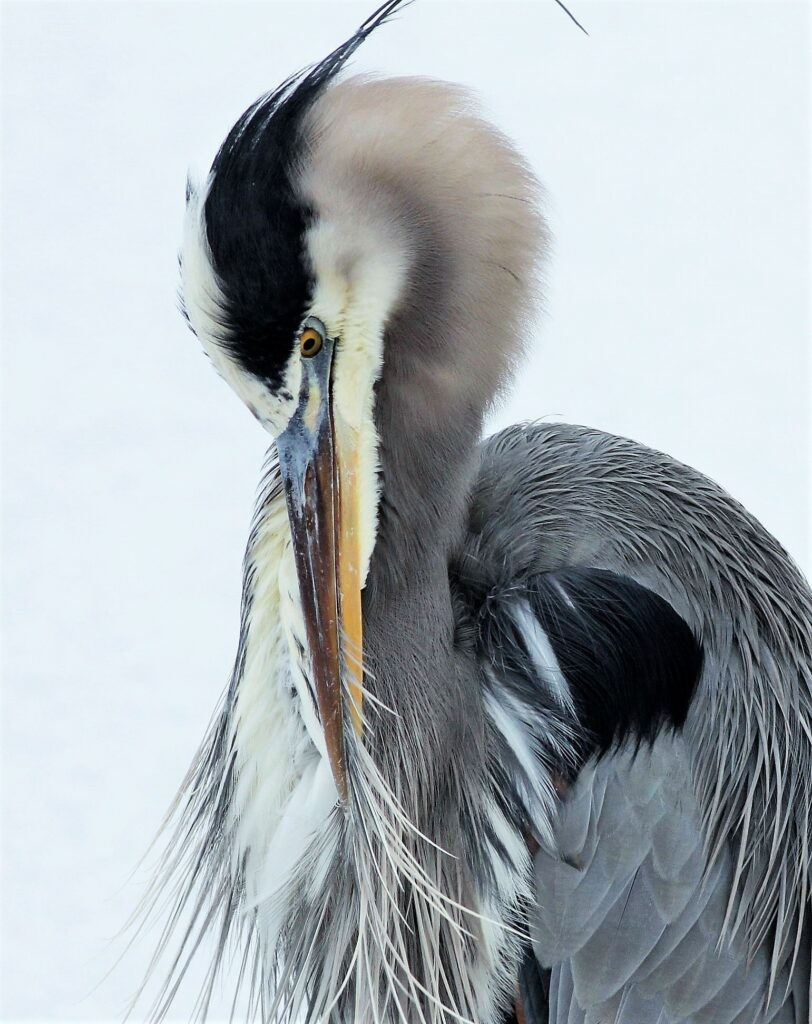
[{"x": 674, "y": 146}]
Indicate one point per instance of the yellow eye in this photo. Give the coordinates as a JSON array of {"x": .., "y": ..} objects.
[{"x": 310, "y": 342}]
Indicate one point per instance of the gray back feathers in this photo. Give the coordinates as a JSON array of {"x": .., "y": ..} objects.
[{"x": 550, "y": 496}]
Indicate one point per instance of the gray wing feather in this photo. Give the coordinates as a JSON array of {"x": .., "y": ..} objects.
[
  {"x": 679, "y": 886},
  {"x": 628, "y": 917}
]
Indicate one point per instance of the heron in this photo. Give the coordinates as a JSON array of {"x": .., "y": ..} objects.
[{"x": 519, "y": 728}]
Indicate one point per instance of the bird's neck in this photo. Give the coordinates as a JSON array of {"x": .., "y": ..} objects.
[
  {"x": 426, "y": 470},
  {"x": 409, "y": 622}
]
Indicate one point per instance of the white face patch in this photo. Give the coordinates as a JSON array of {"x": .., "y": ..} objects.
[
  {"x": 360, "y": 274},
  {"x": 360, "y": 267},
  {"x": 203, "y": 300}
]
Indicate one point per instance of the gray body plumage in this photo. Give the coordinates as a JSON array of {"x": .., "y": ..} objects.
[
  {"x": 700, "y": 844},
  {"x": 583, "y": 771}
]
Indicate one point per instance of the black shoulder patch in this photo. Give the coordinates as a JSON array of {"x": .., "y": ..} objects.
[
  {"x": 631, "y": 662},
  {"x": 255, "y": 222}
]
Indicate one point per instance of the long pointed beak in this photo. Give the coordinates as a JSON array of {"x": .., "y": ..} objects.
[{"x": 318, "y": 462}]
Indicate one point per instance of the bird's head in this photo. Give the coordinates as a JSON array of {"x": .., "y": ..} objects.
[{"x": 357, "y": 239}]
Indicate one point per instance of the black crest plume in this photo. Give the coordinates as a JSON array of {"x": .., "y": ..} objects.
[{"x": 255, "y": 222}]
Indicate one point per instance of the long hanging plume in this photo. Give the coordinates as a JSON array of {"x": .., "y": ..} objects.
[{"x": 378, "y": 853}]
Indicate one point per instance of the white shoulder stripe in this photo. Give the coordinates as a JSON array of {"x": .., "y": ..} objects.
[{"x": 542, "y": 655}]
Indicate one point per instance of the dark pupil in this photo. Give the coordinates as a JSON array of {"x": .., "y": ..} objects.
[{"x": 310, "y": 344}]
